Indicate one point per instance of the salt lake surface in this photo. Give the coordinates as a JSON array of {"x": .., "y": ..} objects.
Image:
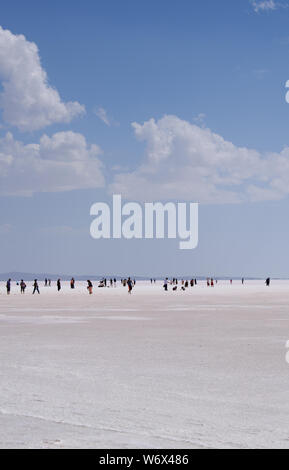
[{"x": 203, "y": 368}]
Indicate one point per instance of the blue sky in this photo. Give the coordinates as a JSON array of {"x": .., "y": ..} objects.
[{"x": 210, "y": 74}]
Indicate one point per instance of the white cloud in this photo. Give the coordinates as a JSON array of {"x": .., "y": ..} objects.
[
  {"x": 27, "y": 100},
  {"x": 200, "y": 119},
  {"x": 185, "y": 161},
  {"x": 102, "y": 114},
  {"x": 266, "y": 5},
  {"x": 62, "y": 162}
]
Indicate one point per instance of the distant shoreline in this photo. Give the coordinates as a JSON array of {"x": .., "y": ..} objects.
[{"x": 16, "y": 276}]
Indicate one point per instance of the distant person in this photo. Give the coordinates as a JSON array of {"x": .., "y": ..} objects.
[
  {"x": 22, "y": 287},
  {"x": 35, "y": 287},
  {"x": 8, "y": 286},
  {"x": 243, "y": 280},
  {"x": 267, "y": 282},
  {"x": 89, "y": 287},
  {"x": 212, "y": 282},
  {"x": 72, "y": 283},
  {"x": 231, "y": 281},
  {"x": 114, "y": 282},
  {"x": 129, "y": 285},
  {"x": 58, "y": 285},
  {"x": 45, "y": 282},
  {"x": 166, "y": 284}
]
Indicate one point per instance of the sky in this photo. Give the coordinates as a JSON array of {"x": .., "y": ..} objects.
[{"x": 179, "y": 101}]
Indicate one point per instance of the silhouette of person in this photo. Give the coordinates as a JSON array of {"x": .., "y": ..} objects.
[
  {"x": 8, "y": 286},
  {"x": 36, "y": 287},
  {"x": 89, "y": 287},
  {"x": 22, "y": 287}
]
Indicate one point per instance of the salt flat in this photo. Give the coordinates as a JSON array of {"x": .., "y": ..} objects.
[{"x": 203, "y": 368}]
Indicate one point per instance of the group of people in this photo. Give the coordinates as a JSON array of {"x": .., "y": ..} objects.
[
  {"x": 47, "y": 283},
  {"x": 106, "y": 283},
  {"x": 128, "y": 282},
  {"x": 174, "y": 282},
  {"x": 193, "y": 282}
]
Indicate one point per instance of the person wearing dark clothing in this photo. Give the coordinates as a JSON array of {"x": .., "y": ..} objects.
[
  {"x": 72, "y": 283},
  {"x": 267, "y": 282},
  {"x": 58, "y": 285},
  {"x": 36, "y": 287},
  {"x": 129, "y": 285},
  {"x": 8, "y": 286},
  {"x": 89, "y": 287},
  {"x": 22, "y": 286}
]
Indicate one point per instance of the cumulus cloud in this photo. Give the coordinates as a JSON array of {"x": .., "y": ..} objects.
[
  {"x": 185, "y": 161},
  {"x": 62, "y": 162},
  {"x": 27, "y": 101}
]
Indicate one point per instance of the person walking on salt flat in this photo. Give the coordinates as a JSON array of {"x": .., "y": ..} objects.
[
  {"x": 22, "y": 287},
  {"x": 89, "y": 287},
  {"x": 8, "y": 286},
  {"x": 36, "y": 287}
]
